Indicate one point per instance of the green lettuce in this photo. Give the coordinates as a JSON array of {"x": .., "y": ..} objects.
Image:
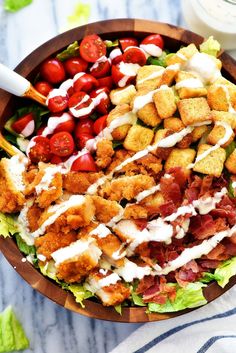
[
  {"x": 15, "y": 5},
  {"x": 210, "y": 46},
  {"x": 71, "y": 51},
  {"x": 226, "y": 270},
  {"x": 190, "y": 296},
  {"x": 160, "y": 61},
  {"x": 8, "y": 225},
  {"x": 137, "y": 299},
  {"x": 118, "y": 309},
  {"x": 230, "y": 148},
  {"x": 209, "y": 277},
  {"x": 12, "y": 335}
]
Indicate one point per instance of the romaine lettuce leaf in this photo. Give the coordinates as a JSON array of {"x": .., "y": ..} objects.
[
  {"x": 190, "y": 296},
  {"x": 15, "y": 5},
  {"x": 210, "y": 46},
  {"x": 209, "y": 277},
  {"x": 226, "y": 270},
  {"x": 12, "y": 336},
  {"x": 79, "y": 292},
  {"x": 118, "y": 309},
  {"x": 71, "y": 51},
  {"x": 137, "y": 299},
  {"x": 8, "y": 225},
  {"x": 160, "y": 61}
]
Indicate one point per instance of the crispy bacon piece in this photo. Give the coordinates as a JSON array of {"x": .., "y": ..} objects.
[
  {"x": 145, "y": 283},
  {"x": 206, "y": 185},
  {"x": 204, "y": 226},
  {"x": 170, "y": 190},
  {"x": 208, "y": 264},
  {"x": 141, "y": 223},
  {"x": 218, "y": 253},
  {"x": 179, "y": 176},
  {"x": 226, "y": 209},
  {"x": 191, "y": 272},
  {"x": 167, "y": 208}
]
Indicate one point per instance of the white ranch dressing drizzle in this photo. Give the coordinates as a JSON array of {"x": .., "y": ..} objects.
[
  {"x": 128, "y": 70},
  {"x": 113, "y": 278},
  {"x": 234, "y": 184},
  {"x": 114, "y": 53},
  {"x": 77, "y": 76},
  {"x": 196, "y": 251},
  {"x": 181, "y": 56},
  {"x": 68, "y": 163},
  {"x": 122, "y": 90},
  {"x": 47, "y": 178},
  {"x": 222, "y": 141},
  {"x": 66, "y": 85},
  {"x": 56, "y": 92},
  {"x": 31, "y": 144},
  {"x": 151, "y": 49},
  {"x": 130, "y": 271},
  {"x": 117, "y": 255},
  {"x": 182, "y": 230},
  {"x": 77, "y": 113},
  {"x": 143, "y": 194},
  {"x": 101, "y": 231},
  {"x": 102, "y": 59},
  {"x": 173, "y": 67},
  {"x": 23, "y": 223},
  {"x": 208, "y": 204},
  {"x": 189, "y": 83},
  {"x": 141, "y": 101},
  {"x": 57, "y": 210},
  {"x": 153, "y": 75},
  {"x": 95, "y": 285},
  {"x": 181, "y": 211},
  {"x": 16, "y": 166},
  {"x": 28, "y": 129},
  {"x": 54, "y": 122},
  {"x": 97, "y": 100}
]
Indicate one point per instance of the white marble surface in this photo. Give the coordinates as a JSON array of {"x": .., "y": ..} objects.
[{"x": 49, "y": 327}]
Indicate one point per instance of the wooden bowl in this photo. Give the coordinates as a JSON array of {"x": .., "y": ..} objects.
[{"x": 111, "y": 29}]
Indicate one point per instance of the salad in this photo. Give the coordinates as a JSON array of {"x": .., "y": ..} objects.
[{"x": 123, "y": 188}]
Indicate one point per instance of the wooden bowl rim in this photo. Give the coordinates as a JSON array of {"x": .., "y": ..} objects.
[{"x": 8, "y": 247}]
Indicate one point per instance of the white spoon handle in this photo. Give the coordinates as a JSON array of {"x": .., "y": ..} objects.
[{"x": 12, "y": 82}]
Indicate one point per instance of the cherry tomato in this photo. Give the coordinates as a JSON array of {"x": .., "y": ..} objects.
[
  {"x": 84, "y": 82},
  {"x": 134, "y": 56},
  {"x": 75, "y": 65},
  {"x": 100, "y": 124},
  {"x": 62, "y": 144},
  {"x": 105, "y": 82},
  {"x": 43, "y": 87},
  {"x": 68, "y": 86},
  {"x": 128, "y": 42},
  {"x": 101, "y": 68},
  {"x": 92, "y": 48},
  {"x": 80, "y": 105},
  {"x": 57, "y": 103},
  {"x": 116, "y": 56},
  {"x": 84, "y": 126},
  {"x": 101, "y": 100},
  {"x": 40, "y": 151},
  {"x": 119, "y": 78},
  {"x": 82, "y": 139},
  {"x": 52, "y": 71},
  {"x": 25, "y": 125},
  {"x": 84, "y": 163},
  {"x": 155, "y": 39},
  {"x": 56, "y": 159},
  {"x": 67, "y": 125}
]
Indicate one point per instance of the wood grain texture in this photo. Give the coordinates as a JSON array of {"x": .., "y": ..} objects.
[{"x": 110, "y": 29}]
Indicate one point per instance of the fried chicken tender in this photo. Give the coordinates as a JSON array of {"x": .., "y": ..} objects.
[
  {"x": 79, "y": 182},
  {"x": 126, "y": 187},
  {"x": 11, "y": 199},
  {"x": 135, "y": 212},
  {"x": 51, "y": 242},
  {"x": 112, "y": 249},
  {"x": 104, "y": 153},
  {"x": 105, "y": 209},
  {"x": 33, "y": 216}
]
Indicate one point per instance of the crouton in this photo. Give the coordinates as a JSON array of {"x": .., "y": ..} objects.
[
  {"x": 224, "y": 116},
  {"x": 120, "y": 132},
  {"x": 217, "y": 133},
  {"x": 105, "y": 209},
  {"x": 230, "y": 163},
  {"x": 12, "y": 185},
  {"x": 198, "y": 132},
  {"x": 153, "y": 202},
  {"x": 51, "y": 242},
  {"x": 110, "y": 294},
  {"x": 138, "y": 138},
  {"x": 164, "y": 100},
  {"x": 162, "y": 152},
  {"x": 104, "y": 152},
  {"x": 148, "y": 114},
  {"x": 169, "y": 75},
  {"x": 148, "y": 77},
  {"x": 126, "y": 187},
  {"x": 135, "y": 212},
  {"x": 174, "y": 124},
  {"x": 189, "y": 85},
  {"x": 180, "y": 158},
  {"x": 194, "y": 110},
  {"x": 122, "y": 95},
  {"x": 213, "y": 163},
  {"x": 76, "y": 260},
  {"x": 217, "y": 97},
  {"x": 182, "y": 55}
]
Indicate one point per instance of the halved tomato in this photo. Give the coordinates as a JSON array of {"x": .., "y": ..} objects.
[
  {"x": 62, "y": 144},
  {"x": 105, "y": 82},
  {"x": 115, "y": 56},
  {"x": 134, "y": 55},
  {"x": 84, "y": 126},
  {"x": 84, "y": 82},
  {"x": 100, "y": 124},
  {"x": 82, "y": 139},
  {"x": 101, "y": 67},
  {"x": 84, "y": 163},
  {"x": 67, "y": 123},
  {"x": 80, "y": 105},
  {"x": 24, "y": 125},
  {"x": 101, "y": 100},
  {"x": 56, "y": 160},
  {"x": 40, "y": 150},
  {"x": 92, "y": 48},
  {"x": 128, "y": 42},
  {"x": 75, "y": 65},
  {"x": 155, "y": 39}
]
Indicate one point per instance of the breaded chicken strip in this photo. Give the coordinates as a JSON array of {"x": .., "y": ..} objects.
[
  {"x": 79, "y": 182},
  {"x": 104, "y": 153},
  {"x": 135, "y": 212},
  {"x": 105, "y": 209}
]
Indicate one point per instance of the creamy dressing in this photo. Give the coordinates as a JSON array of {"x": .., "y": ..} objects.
[
  {"x": 189, "y": 83},
  {"x": 128, "y": 70},
  {"x": 56, "y": 92},
  {"x": 47, "y": 178},
  {"x": 77, "y": 76},
  {"x": 117, "y": 255},
  {"x": 130, "y": 271},
  {"x": 143, "y": 194},
  {"x": 182, "y": 230},
  {"x": 28, "y": 129},
  {"x": 173, "y": 67},
  {"x": 54, "y": 122},
  {"x": 208, "y": 204},
  {"x": 102, "y": 59},
  {"x": 68, "y": 163},
  {"x": 77, "y": 113},
  {"x": 181, "y": 211},
  {"x": 140, "y": 101},
  {"x": 222, "y": 141},
  {"x": 116, "y": 218},
  {"x": 101, "y": 231},
  {"x": 181, "y": 56},
  {"x": 57, "y": 210},
  {"x": 95, "y": 285},
  {"x": 113, "y": 278},
  {"x": 23, "y": 223},
  {"x": 16, "y": 166},
  {"x": 97, "y": 100},
  {"x": 41, "y": 257},
  {"x": 153, "y": 75},
  {"x": 31, "y": 144},
  {"x": 151, "y": 49},
  {"x": 114, "y": 53},
  {"x": 66, "y": 85}
]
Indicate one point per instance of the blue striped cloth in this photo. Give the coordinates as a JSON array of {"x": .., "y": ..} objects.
[{"x": 210, "y": 329}]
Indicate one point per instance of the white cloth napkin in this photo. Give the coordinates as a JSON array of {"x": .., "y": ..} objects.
[{"x": 211, "y": 329}]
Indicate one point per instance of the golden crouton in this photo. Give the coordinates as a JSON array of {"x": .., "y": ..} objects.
[
  {"x": 164, "y": 100},
  {"x": 122, "y": 95},
  {"x": 217, "y": 133},
  {"x": 180, "y": 158},
  {"x": 194, "y": 110},
  {"x": 213, "y": 163},
  {"x": 153, "y": 202},
  {"x": 217, "y": 97},
  {"x": 169, "y": 75},
  {"x": 148, "y": 77},
  {"x": 174, "y": 124},
  {"x": 198, "y": 132},
  {"x": 162, "y": 152},
  {"x": 105, "y": 209},
  {"x": 126, "y": 187},
  {"x": 138, "y": 138},
  {"x": 120, "y": 132},
  {"x": 135, "y": 212},
  {"x": 189, "y": 85},
  {"x": 148, "y": 114},
  {"x": 79, "y": 182},
  {"x": 182, "y": 55},
  {"x": 110, "y": 295},
  {"x": 230, "y": 163},
  {"x": 104, "y": 153},
  {"x": 224, "y": 116}
]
